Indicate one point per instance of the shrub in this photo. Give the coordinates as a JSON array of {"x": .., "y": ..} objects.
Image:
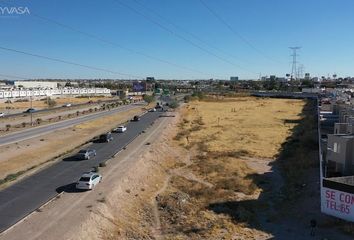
[
  {"x": 51, "y": 102},
  {"x": 39, "y": 121},
  {"x": 174, "y": 104}
]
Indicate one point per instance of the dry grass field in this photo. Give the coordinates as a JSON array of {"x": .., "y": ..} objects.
[
  {"x": 255, "y": 126},
  {"x": 232, "y": 143}
]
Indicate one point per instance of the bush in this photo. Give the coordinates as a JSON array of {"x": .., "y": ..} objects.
[
  {"x": 39, "y": 121},
  {"x": 21, "y": 100},
  {"x": 51, "y": 102},
  {"x": 174, "y": 104}
]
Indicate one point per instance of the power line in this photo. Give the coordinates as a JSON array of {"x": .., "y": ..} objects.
[
  {"x": 178, "y": 35},
  {"x": 184, "y": 30},
  {"x": 68, "y": 62},
  {"x": 100, "y": 39},
  {"x": 237, "y": 34}
]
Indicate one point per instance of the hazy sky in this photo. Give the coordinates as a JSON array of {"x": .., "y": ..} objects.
[{"x": 179, "y": 39}]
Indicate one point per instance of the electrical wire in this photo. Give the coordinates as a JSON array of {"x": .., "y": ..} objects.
[
  {"x": 100, "y": 39},
  {"x": 243, "y": 39},
  {"x": 173, "y": 33},
  {"x": 186, "y": 31},
  {"x": 68, "y": 62}
]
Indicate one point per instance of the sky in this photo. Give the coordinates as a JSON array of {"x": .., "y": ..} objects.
[{"x": 174, "y": 39}]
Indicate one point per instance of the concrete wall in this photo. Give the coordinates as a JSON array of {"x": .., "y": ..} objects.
[{"x": 4, "y": 94}]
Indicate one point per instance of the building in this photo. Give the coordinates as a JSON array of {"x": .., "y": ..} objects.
[
  {"x": 36, "y": 84},
  {"x": 58, "y": 92},
  {"x": 340, "y": 154},
  {"x": 307, "y": 76}
]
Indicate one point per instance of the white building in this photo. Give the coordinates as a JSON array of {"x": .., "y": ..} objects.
[
  {"x": 57, "y": 92},
  {"x": 36, "y": 84}
]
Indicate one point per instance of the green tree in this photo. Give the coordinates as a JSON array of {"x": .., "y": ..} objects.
[{"x": 148, "y": 98}]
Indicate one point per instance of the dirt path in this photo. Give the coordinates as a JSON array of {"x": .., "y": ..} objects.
[{"x": 156, "y": 231}]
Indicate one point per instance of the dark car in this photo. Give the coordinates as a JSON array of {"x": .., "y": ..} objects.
[
  {"x": 136, "y": 118},
  {"x": 85, "y": 154},
  {"x": 106, "y": 137},
  {"x": 30, "y": 110}
]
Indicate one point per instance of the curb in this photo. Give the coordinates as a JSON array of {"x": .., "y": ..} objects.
[{"x": 31, "y": 213}]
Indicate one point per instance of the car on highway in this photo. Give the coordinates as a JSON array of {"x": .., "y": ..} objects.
[
  {"x": 67, "y": 105},
  {"x": 107, "y": 137},
  {"x": 136, "y": 118},
  {"x": 2, "y": 114},
  {"x": 152, "y": 110},
  {"x": 85, "y": 154},
  {"x": 30, "y": 110},
  {"x": 120, "y": 129},
  {"x": 88, "y": 181}
]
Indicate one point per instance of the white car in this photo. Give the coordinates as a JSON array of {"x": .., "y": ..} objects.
[
  {"x": 67, "y": 105},
  {"x": 88, "y": 181},
  {"x": 152, "y": 110},
  {"x": 120, "y": 129},
  {"x": 2, "y": 114}
]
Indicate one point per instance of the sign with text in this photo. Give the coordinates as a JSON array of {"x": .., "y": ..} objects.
[
  {"x": 337, "y": 203},
  {"x": 139, "y": 86}
]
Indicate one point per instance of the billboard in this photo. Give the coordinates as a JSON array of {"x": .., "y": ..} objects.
[
  {"x": 139, "y": 87},
  {"x": 337, "y": 201}
]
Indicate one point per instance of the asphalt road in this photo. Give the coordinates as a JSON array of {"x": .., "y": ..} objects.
[
  {"x": 37, "y": 131},
  {"x": 24, "y": 197}
]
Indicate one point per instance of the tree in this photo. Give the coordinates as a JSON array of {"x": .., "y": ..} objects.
[{"x": 148, "y": 98}]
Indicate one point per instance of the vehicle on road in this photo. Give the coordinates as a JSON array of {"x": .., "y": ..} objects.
[
  {"x": 67, "y": 105},
  {"x": 85, "y": 154},
  {"x": 107, "y": 137},
  {"x": 88, "y": 181},
  {"x": 136, "y": 118},
  {"x": 30, "y": 110},
  {"x": 120, "y": 129},
  {"x": 2, "y": 114},
  {"x": 152, "y": 110}
]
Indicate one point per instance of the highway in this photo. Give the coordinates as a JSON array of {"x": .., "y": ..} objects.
[
  {"x": 24, "y": 197},
  {"x": 37, "y": 131}
]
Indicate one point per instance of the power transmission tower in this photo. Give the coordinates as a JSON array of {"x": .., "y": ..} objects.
[
  {"x": 300, "y": 71},
  {"x": 294, "y": 73}
]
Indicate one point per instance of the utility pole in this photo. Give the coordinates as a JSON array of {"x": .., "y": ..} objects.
[
  {"x": 294, "y": 73},
  {"x": 31, "y": 111}
]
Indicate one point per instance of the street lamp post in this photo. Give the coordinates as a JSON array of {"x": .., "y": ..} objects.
[{"x": 31, "y": 111}]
